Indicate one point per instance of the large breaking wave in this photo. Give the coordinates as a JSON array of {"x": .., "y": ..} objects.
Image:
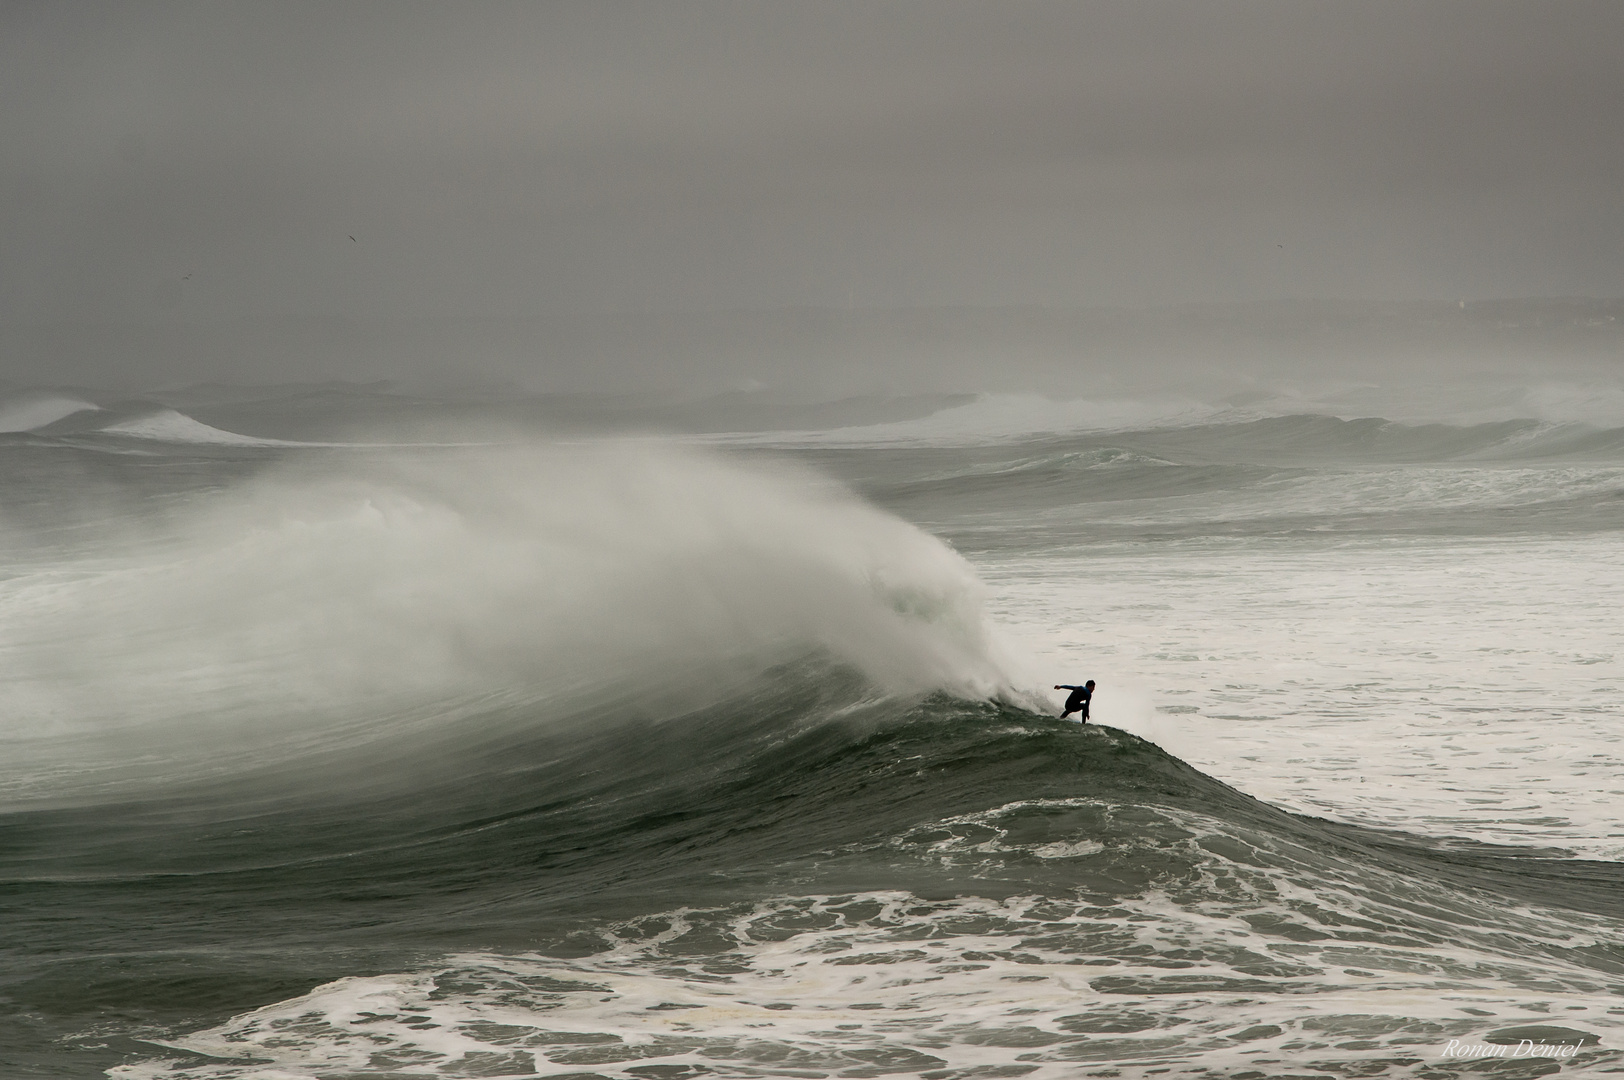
[{"x": 350, "y": 598}]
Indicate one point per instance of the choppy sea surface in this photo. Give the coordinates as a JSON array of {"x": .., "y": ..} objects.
[{"x": 734, "y": 755}]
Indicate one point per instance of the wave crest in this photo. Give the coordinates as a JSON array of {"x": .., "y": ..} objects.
[{"x": 354, "y": 599}]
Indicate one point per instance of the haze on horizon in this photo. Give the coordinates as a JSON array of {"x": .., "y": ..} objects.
[{"x": 611, "y": 195}]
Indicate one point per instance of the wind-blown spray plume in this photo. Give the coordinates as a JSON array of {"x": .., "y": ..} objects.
[{"x": 345, "y": 601}]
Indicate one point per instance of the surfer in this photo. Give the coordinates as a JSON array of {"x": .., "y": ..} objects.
[{"x": 1077, "y": 701}]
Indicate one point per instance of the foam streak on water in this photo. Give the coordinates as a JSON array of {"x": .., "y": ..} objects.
[{"x": 888, "y": 983}]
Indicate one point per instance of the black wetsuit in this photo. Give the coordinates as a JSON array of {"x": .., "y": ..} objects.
[{"x": 1077, "y": 701}]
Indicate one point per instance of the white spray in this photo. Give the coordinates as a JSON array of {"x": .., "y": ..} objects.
[{"x": 352, "y": 595}]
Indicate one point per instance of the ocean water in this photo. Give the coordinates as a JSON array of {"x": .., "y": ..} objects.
[{"x": 511, "y": 753}]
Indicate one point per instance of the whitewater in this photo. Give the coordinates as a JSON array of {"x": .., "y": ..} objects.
[{"x": 732, "y": 753}]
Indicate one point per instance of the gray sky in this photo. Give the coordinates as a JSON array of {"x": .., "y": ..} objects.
[{"x": 197, "y": 162}]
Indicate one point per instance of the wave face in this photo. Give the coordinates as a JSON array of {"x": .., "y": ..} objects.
[
  {"x": 853, "y": 863},
  {"x": 625, "y": 759}
]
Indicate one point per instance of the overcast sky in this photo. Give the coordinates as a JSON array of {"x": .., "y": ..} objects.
[{"x": 206, "y": 161}]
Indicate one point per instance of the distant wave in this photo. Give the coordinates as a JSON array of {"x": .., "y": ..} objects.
[
  {"x": 66, "y": 417},
  {"x": 171, "y": 426},
  {"x": 152, "y": 423},
  {"x": 1324, "y": 439},
  {"x": 31, "y": 411},
  {"x": 1559, "y": 415},
  {"x": 1000, "y": 417},
  {"x": 1235, "y": 437},
  {"x": 1264, "y": 476}
]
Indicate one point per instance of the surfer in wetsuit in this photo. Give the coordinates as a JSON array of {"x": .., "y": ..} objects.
[{"x": 1077, "y": 701}]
